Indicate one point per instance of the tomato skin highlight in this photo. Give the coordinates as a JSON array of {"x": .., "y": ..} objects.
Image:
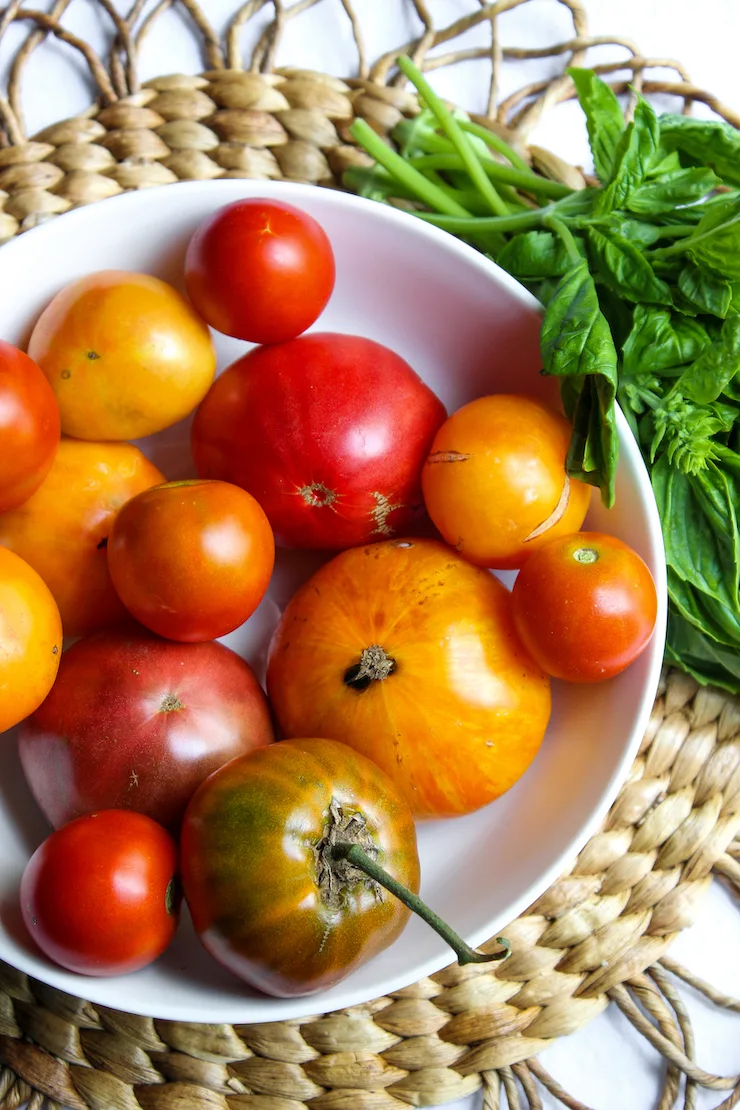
[
  {"x": 260, "y": 270},
  {"x": 29, "y": 427},
  {"x": 135, "y": 722},
  {"x": 125, "y": 355},
  {"x": 99, "y": 897},
  {"x": 328, "y": 432},
  {"x": 585, "y": 606},
  {"x": 191, "y": 560},
  {"x": 496, "y": 474},
  {"x": 249, "y": 865},
  {"x": 30, "y": 639},
  {"x": 62, "y": 530},
  {"x": 462, "y": 709}
]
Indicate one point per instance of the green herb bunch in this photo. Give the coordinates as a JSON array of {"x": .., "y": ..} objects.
[{"x": 640, "y": 279}]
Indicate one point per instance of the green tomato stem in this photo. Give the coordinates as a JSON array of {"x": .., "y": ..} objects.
[
  {"x": 355, "y": 855},
  {"x": 416, "y": 182},
  {"x": 456, "y": 135}
]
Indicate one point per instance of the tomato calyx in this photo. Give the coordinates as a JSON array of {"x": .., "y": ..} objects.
[
  {"x": 586, "y": 555},
  {"x": 335, "y": 874},
  {"x": 375, "y": 665},
  {"x": 170, "y": 703},
  {"x": 318, "y": 495}
]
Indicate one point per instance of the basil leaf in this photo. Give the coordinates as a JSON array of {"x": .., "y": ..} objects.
[
  {"x": 716, "y": 241},
  {"x": 604, "y": 119},
  {"x": 535, "y": 254},
  {"x": 637, "y": 231},
  {"x": 623, "y": 266},
  {"x": 709, "y": 662},
  {"x": 660, "y": 341},
  {"x": 706, "y": 291},
  {"x": 710, "y": 142},
  {"x": 680, "y": 187},
  {"x": 705, "y": 380},
  {"x": 577, "y": 346},
  {"x": 668, "y": 163},
  {"x": 635, "y": 157},
  {"x": 718, "y": 622}
]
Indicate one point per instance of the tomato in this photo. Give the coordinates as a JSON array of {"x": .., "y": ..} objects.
[
  {"x": 585, "y": 606},
  {"x": 135, "y": 722},
  {"x": 328, "y": 432},
  {"x": 29, "y": 427},
  {"x": 62, "y": 531},
  {"x": 125, "y": 355},
  {"x": 191, "y": 560},
  {"x": 260, "y": 270},
  {"x": 266, "y": 896},
  {"x": 30, "y": 639},
  {"x": 100, "y": 896},
  {"x": 495, "y": 483},
  {"x": 408, "y": 653}
]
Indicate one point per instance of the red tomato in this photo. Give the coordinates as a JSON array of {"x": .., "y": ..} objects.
[
  {"x": 100, "y": 896},
  {"x": 585, "y": 606},
  {"x": 260, "y": 270},
  {"x": 134, "y": 722},
  {"x": 267, "y": 897},
  {"x": 29, "y": 427},
  {"x": 30, "y": 639},
  {"x": 329, "y": 433},
  {"x": 191, "y": 560},
  {"x": 495, "y": 482},
  {"x": 407, "y": 653}
]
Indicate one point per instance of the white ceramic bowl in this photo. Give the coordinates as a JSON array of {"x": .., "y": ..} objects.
[{"x": 468, "y": 329}]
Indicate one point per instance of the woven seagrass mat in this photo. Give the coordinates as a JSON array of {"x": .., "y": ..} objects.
[{"x": 601, "y": 933}]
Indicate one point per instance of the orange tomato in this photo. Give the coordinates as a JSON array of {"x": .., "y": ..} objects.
[
  {"x": 495, "y": 483},
  {"x": 62, "y": 530},
  {"x": 409, "y": 654},
  {"x": 125, "y": 354},
  {"x": 30, "y": 640},
  {"x": 191, "y": 560}
]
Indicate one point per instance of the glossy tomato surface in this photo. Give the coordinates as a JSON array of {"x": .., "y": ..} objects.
[
  {"x": 135, "y": 722},
  {"x": 329, "y": 432},
  {"x": 266, "y": 899},
  {"x": 191, "y": 560},
  {"x": 495, "y": 482},
  {"x": 260, "y": 270},
  {"x": 62, "y": 530},
  {"x": 29, "y": 427},
  {"x": 585, "y": 605},
  {"x": 409, "y": 654},
  {"x": 125, "y": 354},
  {"x": 30, "y": 639},
  {"x": 100, "y": 896}
]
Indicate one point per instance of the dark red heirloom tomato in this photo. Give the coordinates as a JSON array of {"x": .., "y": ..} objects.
[
  {"x": 267, "y": 897},
  {"x": 29, "y": 427},
  {"x": 328, "y": 432},
  {"x": 100, "y": 896},
  {"x": 260, "y": 270},
  {"x": 135, "y": 722},
  {"x": 585, "y": 606}
]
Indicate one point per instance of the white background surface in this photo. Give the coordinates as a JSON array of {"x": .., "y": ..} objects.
[{"x": 606, "y": 1064}]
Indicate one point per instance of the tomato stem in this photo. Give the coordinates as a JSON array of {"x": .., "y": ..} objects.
[{"x": 355, "y": 855}]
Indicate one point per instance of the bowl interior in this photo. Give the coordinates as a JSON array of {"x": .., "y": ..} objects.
[{"x": 468, "y": 329}]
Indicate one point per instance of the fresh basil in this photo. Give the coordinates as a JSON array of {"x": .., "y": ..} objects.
[
  {"x": 712, "y": 372},
  {"x": 711, "y": 143},
  {"x": 671, "y": 189},
  {"x": 604, "y": 119},
  {"x": 705, "y": 291},
  {"x": 623, "y": 266}
]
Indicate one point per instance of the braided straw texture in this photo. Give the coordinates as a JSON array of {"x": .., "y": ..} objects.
[{"x": 591, "y": 937}]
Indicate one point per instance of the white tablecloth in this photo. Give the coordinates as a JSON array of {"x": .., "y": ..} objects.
[{"x": 606, "y": 1064}]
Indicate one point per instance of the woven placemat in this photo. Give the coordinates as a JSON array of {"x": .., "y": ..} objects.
[{"x": 600, "y": 934}]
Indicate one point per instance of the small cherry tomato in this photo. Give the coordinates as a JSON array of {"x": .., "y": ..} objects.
[
  {"x": 29, "y": 427},
  {"x": 260, "y": 270},
  {"x": 495, "y": 483},
  {"x": 100, "y": 896},
  {"x": 30, "y": 639},
  {"x": 125, "y": 355},
  {"x": 585, "y": 606},
  {"x": 191, "y": 560}
]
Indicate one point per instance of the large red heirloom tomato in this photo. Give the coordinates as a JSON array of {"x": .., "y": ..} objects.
[
  {"x": 135, "y": 722},
  {"x": 267, "y": 896},
  {"x": 409, "y": 654},
  {"x": 328, "y": 432}
]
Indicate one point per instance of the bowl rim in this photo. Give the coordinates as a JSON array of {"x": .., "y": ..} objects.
[{"x": 301, "y": 1006}]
